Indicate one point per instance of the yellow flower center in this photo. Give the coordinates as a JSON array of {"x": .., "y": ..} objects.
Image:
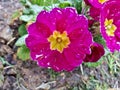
[
  {"x": 58, "y": 41},
  {"x": 110, "y": 27},
  {"x": 102, "y": 1}
]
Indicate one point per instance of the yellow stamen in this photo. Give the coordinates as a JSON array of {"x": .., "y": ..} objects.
[
  {"x": 102, "y": 1},
  {"x": 58, "y": 41},
  {"x": 110, "y": 27}
]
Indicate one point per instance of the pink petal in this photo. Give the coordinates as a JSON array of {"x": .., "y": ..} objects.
[{"x": 74, "y": 56}]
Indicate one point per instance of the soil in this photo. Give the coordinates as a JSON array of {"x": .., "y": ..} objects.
[{"x": 26, "y": 75}]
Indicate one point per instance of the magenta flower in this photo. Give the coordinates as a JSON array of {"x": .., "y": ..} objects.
[
  {"x": 94, "y": 13},
  {"x": 59, "y": 39},
  {"x": 97, "y": 3},
  {"x": 95, "y": 8},
  {"x": 110, "y": 24},
  {"x": 96, "y": 54}
]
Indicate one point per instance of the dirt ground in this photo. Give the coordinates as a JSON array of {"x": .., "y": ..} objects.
[{"x": 26, "y": 75}]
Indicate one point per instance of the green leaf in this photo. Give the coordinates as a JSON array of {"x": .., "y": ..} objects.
[
  {"x": 21, "y": 40},
  {"x": 48, "y": 8},
  {"x": 64, "y": 4},
  {"x": 50, "y": 2},
  {"x": 93, "y": 64},
  {"x": 23, "y": 2},
  {"x": 16, "y": 14},
  {"x": 26, "y": 2},
  {"x": 4, "y": 61},
  {"x": 36, "y": 8},
  {"x": 26, "y": 18},
  {"x": 22, "y": 30},
  {"x": 106, "y": 52},
  {"x": 100, "y": 40},
  {"x": 38, "y": 2},
  {"x": 44, "y": 2},
  {"x": 23, "y": 53},
  {"x": 28, "y": 11},
  {"x": 77, "y": 4}
]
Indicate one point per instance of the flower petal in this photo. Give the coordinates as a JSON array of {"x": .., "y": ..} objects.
[
  {"x": 59, "y": 16},
  {"x": 45, "y": 24},
  {"x": 54, "y": 60},
  {"x": 96, "y": 54},
  {"x": 74, "y": 56},
  {"x": 84, "y": 43}
]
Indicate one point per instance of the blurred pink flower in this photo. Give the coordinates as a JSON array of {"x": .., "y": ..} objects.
[
  {"x": 59, "y": 39},
  {"x": 97, "y": 51},
  {"x": 110, "y": 24}
]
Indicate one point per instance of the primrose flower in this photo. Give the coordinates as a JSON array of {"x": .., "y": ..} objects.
[
  {"x": 97, "y": 51},
  {"x": 95, "y": 7},
  {"x": 110, "y": 24},
  {"x": 59, "y": 39},
  {"x": 98, "y": 3},
  {"x": 94, "y": 13}
]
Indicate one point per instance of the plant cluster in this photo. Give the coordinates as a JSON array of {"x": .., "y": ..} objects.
[{"x": 63, "y": 34}]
